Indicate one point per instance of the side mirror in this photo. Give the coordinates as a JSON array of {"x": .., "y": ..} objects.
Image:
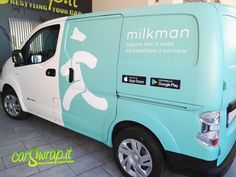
[
  {"x": 17, "y": 57},
  {"x": 37, "y": 58}
]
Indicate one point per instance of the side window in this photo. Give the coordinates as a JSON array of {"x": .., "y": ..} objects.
[{"x": 41, "y": 46}]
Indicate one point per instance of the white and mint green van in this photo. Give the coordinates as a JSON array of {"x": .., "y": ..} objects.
[{"x": 158, "y": 84}]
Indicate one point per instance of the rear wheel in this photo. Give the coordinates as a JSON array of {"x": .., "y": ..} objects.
[
  {"x": 11, "y": 105},
  {"x": 138, "y": 154}
]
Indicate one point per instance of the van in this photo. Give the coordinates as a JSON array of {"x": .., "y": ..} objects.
[{"x": 155, "y": 83}]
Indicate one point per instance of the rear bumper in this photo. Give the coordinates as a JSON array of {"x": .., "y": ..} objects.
[{"x": 193, "y": 167}]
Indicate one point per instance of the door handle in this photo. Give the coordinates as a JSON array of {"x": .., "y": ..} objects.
[
  {"x": 51, "y": 72},
  {"x": 71, "y": 75}
]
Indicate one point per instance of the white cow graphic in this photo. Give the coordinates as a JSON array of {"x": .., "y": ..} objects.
[{"x": 79, "y": 87}]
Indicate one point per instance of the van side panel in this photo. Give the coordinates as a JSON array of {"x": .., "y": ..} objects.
[
  {"x": 162, "y": 57},
  {"x": 171, "y": 63},
  {"x": 90, "y": 48}
]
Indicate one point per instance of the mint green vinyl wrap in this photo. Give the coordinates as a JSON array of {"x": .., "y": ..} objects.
[{"x": 188, "y": 43}]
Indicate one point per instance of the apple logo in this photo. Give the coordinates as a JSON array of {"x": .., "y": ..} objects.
[{"x": 126, "y": 79}]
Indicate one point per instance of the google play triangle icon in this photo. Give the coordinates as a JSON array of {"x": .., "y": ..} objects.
[{"x": 154, "y": 82}]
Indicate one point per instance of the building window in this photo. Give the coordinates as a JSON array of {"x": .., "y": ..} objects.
[{"x": 20, "y": 29}]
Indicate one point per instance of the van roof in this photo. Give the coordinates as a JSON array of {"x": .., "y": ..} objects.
[
  {"x": 186, "y": 8},
  {"x": 160, "y": 9}
]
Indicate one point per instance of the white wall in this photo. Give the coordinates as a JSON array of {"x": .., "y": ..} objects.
[
  {"x": 229, "y": 2},
  {"x": 167, "y": 1},
  {"x": 101, "y": 5}
]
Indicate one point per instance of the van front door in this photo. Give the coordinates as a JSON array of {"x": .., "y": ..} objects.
[
  {"x": 89, "y": 74},
  {"x": 37, "y": 76}
]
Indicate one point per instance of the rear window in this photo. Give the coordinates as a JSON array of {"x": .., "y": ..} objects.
[{"x": 170, "y": 39}]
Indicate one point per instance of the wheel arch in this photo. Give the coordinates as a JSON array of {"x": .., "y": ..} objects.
[
  {"x": 160, "y": 133},
  {"x": 16, "y": 89},
  {"x": 6, "y": 87},
  {"x": 125, "y": 124}
]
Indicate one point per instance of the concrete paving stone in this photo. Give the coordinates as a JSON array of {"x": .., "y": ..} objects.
[
  {"x": 24, "y": 129},
  {"x": 19, "y": 171},
  {"x": 57, "y": 133},
  {"x": 5, "y": 124},
  {"x": 4, "y": 121},
  {"x": 8, "y": 162},
  {"x": 42, "y": 140},
  {"x": 98, "y": 172},
  {"x": 18, "y": 138},
  {"x": 6, "y": 132},
  {"x": 36, "y": 124},
  {"x": 45, "y": 147},
  {"x": 11, "y": 123},
  {"x": 104, "y": 155},
  {"x": 87, "y": 148},
  {"x": 51, "y": 129},
  {"x": 6, "y": 150},
  {"x": 47, "y": 127},
  {"x": 70, "y": 142},
  {"x": 57, "y": 171},
  {"x": 4, "y": 117},
  {"x": 2, "y": 166},
  {"x": 91, "y": 161},
  {"x": 45, "y": 167},
  {"x": 85, "y": 163},
  {"x": 112, "y": 169}
]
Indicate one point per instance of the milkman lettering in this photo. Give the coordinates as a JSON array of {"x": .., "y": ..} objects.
[{"x": 149, "y": 34}]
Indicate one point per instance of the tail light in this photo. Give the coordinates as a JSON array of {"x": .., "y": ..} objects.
[{"x": 209, "y": 134}]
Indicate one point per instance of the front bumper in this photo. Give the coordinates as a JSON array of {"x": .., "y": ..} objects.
[{"x": 193, "y": 167}]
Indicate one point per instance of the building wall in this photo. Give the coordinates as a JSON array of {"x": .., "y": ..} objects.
[
  {"x": 102, "y": 5},
  {"x": 31, "y": 11},
  {"x": 229, "y": 2},
  {"x": 154, "y": 2}
]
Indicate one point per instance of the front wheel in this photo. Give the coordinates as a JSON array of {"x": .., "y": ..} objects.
[
  {"x": 138, "y": 154},
  {"x": 11, "y": 105}
]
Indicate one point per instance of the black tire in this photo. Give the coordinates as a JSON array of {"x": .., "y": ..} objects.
[
  {"x": 18, "y": 114},
  {"x": 153, "y": 148}
]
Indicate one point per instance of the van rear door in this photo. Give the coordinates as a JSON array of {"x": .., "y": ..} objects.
[{"x": 228, "y": 121}]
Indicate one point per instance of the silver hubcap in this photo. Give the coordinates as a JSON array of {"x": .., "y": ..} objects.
[
  {"x": 135, "y": 158},
  {"x": 12, "y": 105}
]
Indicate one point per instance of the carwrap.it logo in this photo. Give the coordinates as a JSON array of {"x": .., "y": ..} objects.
[
  {"x": 34, "y": 157},
  {"x": 4, "y": 1}
]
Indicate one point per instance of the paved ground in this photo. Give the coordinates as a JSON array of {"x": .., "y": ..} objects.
[{"x": 91, "y": 157}]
